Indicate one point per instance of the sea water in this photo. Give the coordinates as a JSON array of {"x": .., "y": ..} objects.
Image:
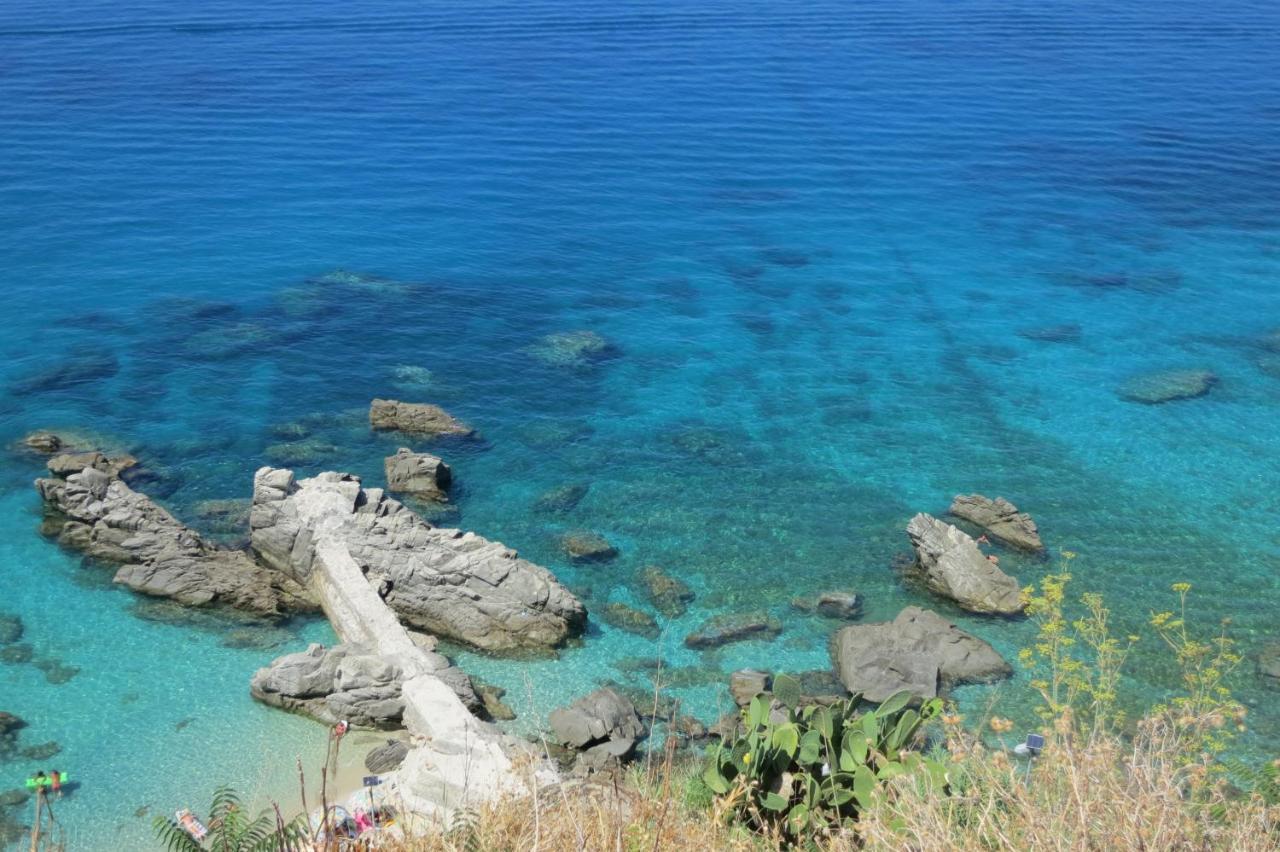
[{"x": 814, "y": 233}]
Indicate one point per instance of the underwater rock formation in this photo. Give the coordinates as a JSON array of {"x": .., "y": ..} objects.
[
  {"x": 571, "y": 348},
  {"x": 950, "y": 564},
  {"x": 630, "y": 619},
  {"x": 919, "y": 651},
  {"x": 668, "y": 594},
  {"x": 99, "y": 515},
  {"x": 845, "y": 605},
  {"x": 1064, "y": 333},
  {"x": 1167, "y": 386},
  {"x": 1000, "y": 518},
  {"x": 728, "y": 628},
  {"x": 415, "y": 419},
  {"x": 82, "y": 369},
  {"x": 420, "y": 474},
  {"x": 441, "y": 581},
  {"x": 585, "y": 546},
  {"x": 561, "y": 499}
]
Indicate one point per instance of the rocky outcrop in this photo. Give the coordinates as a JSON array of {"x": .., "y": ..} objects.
[
  {"x": 352, "y": 682},
  {"x": 842, "y": 605},
  {"x": 733, "y": 627},
  {"x": 65, "y": 464},
  {"x": 415, "y": 419},
  {"x": 97, "y": 514},
  {"x": 919, "y": 651},
  {"x": 603, "y": 726},
  {"x": 420, "y": 474},
  {"x": 1000, "y": 518},
  {"x": 1167, "y": 386},
  {"x": 441, "y": 581},
  {"x": 670, "y": 595},
  {"x": 950, "y": 564}
]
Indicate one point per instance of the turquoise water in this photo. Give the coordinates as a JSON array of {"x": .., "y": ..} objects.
[{"x": 812, "y": 232}]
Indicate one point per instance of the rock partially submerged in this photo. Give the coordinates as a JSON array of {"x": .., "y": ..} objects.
[
  {"x": 1167, "y": 386},
  {"x": 669, "y": 594},
  {"x": 733, "y": 627},
  {"x": 420, "y": 474},
  {"x": 1000, "y": 518},
  {"x": 584, "y": 546},
  {"x": 99, "y": 515},
  {"x": 440, "y": 581},
  {"x": 65, "y": 464},
  {"x": 630, "y": 619},
  {"x": 46, "y": 443},
  {"x": 351, "y": 682},
  {"x": 842, "y": 605},
  {"x": 603, "y": 726},
  {"x": 415, "y": 419},
  {"x": 950, "y": 564},
  {"x": 919, "y": 651}
]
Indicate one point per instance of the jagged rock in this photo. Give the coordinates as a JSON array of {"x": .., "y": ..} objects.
[
  {"x": 1064, "y": 333},
  {"x": 746, "y": 684},
  {"x": 1000, "y": 518},
  {"x": 42, "y": 442},
  {"x": 842, "y": 605},
  {"x": 733, "y": 627},
  {"x": 919, "y": 651},
  {"x": 10, "y": 628},
  {"x": 630, "y": 619},
  {"x": 420, "y": 474},
  {"x": 1269, "y": 664},
  {"x": 99, "y": 515},
  {"x": 415, "y": 418},
  {"x": 441, "y": 581},
  {"x": 561, "y": 499},
  {"x": 608, "y": 756},
  {"x": 602, "y": 715},
  {"x": 65, "y": 464},
  {"x": 387, "y": 757},
  {"x": 1167, "y": 386},
  {"x": 491, "y": 697},
  {"x": 571, "y": 348},
  {"x": 951, "y": 565},
  {"x": 585, "y": 546},
  {"x": 669, "y": 594}
]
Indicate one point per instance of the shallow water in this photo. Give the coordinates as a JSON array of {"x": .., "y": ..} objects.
[{"x": 812, "y": 232}]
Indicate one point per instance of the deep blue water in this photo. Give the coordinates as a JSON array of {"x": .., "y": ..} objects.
[{"x": 813, "y": 231}]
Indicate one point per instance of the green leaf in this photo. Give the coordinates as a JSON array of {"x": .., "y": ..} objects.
[
  {"x": 774, "y": 802},
  {"x": 787, "y": 690},
  {"x": 871, "y": 727},
  {"x": 798, "y": 819},
  {"x": 787, "y": 738},
  {"x": 864, "y": 783},
  {"x": 715, "y": 780},
  {"x": 903, "y": 731},
  {"x": 855, "y": 746},
  {"x": 810, "y": 747},
  {"x": 822, "y": 723},
  {"x": 891, "y": 769},
  {"x": 757, "y": 712},
  {"x": 894, "y": 703}
]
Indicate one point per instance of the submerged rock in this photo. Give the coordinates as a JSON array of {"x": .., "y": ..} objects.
[
  {"x": 1000, "y": 518},
  {"x": 56, "y": 671},
  {"x": 412, "y": 376},
  {"x": 919, "y": 651},
  {"x": 102, "y": 517},
  {"x": 46, "y": 443},
  {"x": 80, "y": 370},
  {"x": 733, "y": 627},
  {"x": 586, "y": 546},
  {"x": 1269, "y": 664},
  {"x": 420, "y": 474},
  {"x": 951, "y": 565},
  {"x": 1167, "y": 386},
  {"x": 669, "y": 595},
  {"x": 571, "y": 348},
  {"x": 16, "y": 655},
  {"x": 843, "y": 605},
  {"x": 227, "y": 516},
  {"x": 10, "y": 628},
  {"x": 415, "y": 419},
  {"x": 1064, "y": 333},
  {"x": 630, "y": 619},
  {"x": 43, "y": 751},
  {"x": 561, "y": 499},
  {"x": 308, "y": 451},
  {"x": 441, "y": 581}
]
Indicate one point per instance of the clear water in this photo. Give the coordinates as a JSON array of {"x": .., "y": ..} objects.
[{"x": 812, "y": 230}]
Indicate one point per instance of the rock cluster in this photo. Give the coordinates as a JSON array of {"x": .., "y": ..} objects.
[
  {"x": 603, "y": 726},
  {"x": 420, "y": 474},
  {"x": 1000, "y": 518},
  {"x": 950, "y": 564},
  {"x": 441, "y": 581},
  {"x": 415, "y": 418},
  {"x": 96, "y": 513},
  {"x": 919, "y": 651}
]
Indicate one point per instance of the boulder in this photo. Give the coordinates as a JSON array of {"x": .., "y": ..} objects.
[
  {"x": 491, "y": 697},
  {"x": 386, "y": 757},
  {"x": 630, "y": 619},
  {"x": 608, "y": 756},
  {"x": 583, "y": 546},
  {"x": 65, "y": 464},
  {"x": 99, "y": 515},
  {"x": 1000, "y": 518},
  {"x": 669, "y": 595},
  {"x": 415, "y": 419},
  {"x": 420, "y": 474},
  {"x": 746, "y": 684},
  {"x": 1167, "y": 386},
  {"x": 733, "y": 627},
  {"x": 951, "y": 565},
  {"x": 439, "y": 581},
  {"x": 919, "y": 651},
  {"x": 1269, "y": 664},
  {"x": 601, "y": 716},
  {"x": 842, "y": 605}
]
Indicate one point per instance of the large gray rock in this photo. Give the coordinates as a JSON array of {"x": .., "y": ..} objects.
[
  {"x": 386, "y": 757},
  {"x": 420, "y": 474},
  {"x": 441, "y": 581},
  {"x": 1167, "y": 386},
  {"x": 919, "y": 651},
  {"x": 603, "y": 715},
  {"x": 65, "y": 464},
  {"x": 415, "y": 418},
  {"x": 1000, "y": 518},
  {"x": 950, "y": 564},
  {"x": 348, "y": 681},
  {"x": 99, "y": 515}
]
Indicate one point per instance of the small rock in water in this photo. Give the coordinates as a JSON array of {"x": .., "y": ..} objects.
[
  {"x": 843, "y": 605},
  {"x": 420, "y": 474},
  {"x": 10, "y": 628},
  {"x": 1167, "y": 386},
  {"x": 15, "y": 655},
  {"x": 42, "y": 442},
  {"x": 1000, "y": 518},
  {"x": 571, "y": 348},
  {"x": 56, "y": 671},
  {"x": 415, "y": 418},
  {"x": 669, "y": 594},
  {"x": 561, "y": 499},
  {"x": 182, "y": 723},
  {"x": 683, "y": 677},
  {"x": 43, "y": 751},
  {"x": 584, "y": 546},
  {"x": 10, "y": 723},
  {"x": 733, "y": 627},
  {"x": 310, "y": 451},
  {"x": 631, "y": 665},
  {"x": 951, "y": 564},
  {"x": 292, "y": 431},
  {"x": 630, "y": 619},
  {"x": 257, "y": 638}
]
